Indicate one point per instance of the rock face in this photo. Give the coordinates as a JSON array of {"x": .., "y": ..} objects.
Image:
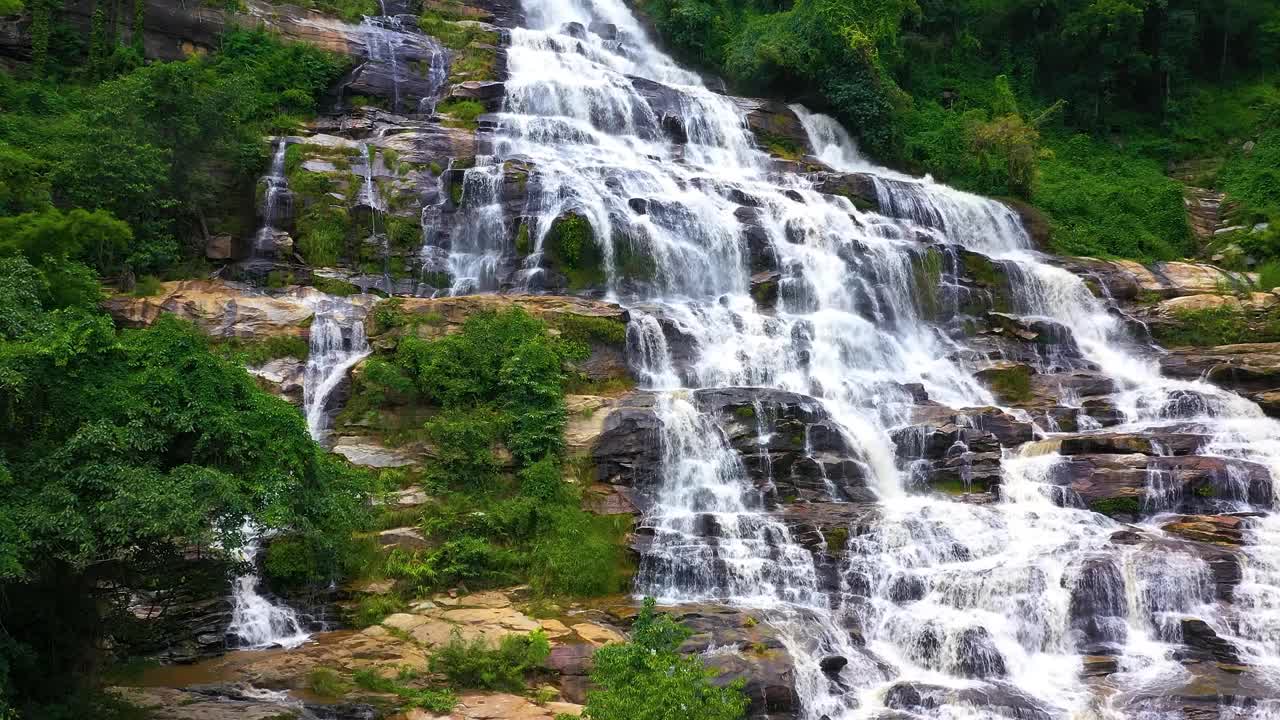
[{"x": 222, "y": 310}]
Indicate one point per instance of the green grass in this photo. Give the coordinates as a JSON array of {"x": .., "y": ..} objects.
[
  {"x": 435, "y": 700},
  {"x": 260, "y": 351},
  {"x": 371, "y": 610},
  {"x": 462, "y": 113},
  {"x": 1103, "y": 202},
  {"x": 1112, "y": 507},
  {"x": 1217, "y": 326}
]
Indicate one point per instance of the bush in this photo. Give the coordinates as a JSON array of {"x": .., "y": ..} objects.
[
  {"x": 476, "y": 665},
  {"x": 647, "y": 679}
]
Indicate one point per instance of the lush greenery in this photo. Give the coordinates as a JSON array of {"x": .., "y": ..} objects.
[
  {"x": 118, "y": 450},
  {"x": 1076, "y": 105},
  {"x": 504, "y": 512},
  {"x": 1225, "y": 325},
  {"x": 648, "y": 679},
  {"x": 171, "y": 149},
  {"x": 476, "y": 664},
  {"x": 122, "y": 450}
]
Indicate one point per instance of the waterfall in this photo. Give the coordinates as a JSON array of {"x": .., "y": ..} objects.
[
  {"x": 256, "y": 622},
  {"x": 963, "y": 606},
  {"x": 401, "y": 63},
  {"x": 337, "y": 343},
  {"x": 276, "y": 203}
]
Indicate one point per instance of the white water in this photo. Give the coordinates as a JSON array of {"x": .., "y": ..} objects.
[
  {"x": 256, "y": 622},
  {"x": 275, "y": 202},
  {"x": 337, "y": 344},
  {"x": 401, "y": 50},
  {"x": 961, "y": 596}
]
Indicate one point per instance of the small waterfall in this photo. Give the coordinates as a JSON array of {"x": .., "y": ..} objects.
[
  {"x": 277, "y": 204},
  {"x": 395, "y": 53},
  {"x": 256, "y": 622},
  {"x": 479, "y": 241},
  {"x": 337, "y": 343}
]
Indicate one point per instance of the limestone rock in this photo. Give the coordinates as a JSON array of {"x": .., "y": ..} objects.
[
  {"x": 221, "y": 309},
  {"x": 368, "y": 453}
]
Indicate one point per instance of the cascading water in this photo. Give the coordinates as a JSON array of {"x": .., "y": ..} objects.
[
  {"x": 337, "y": 343},
  {"x": 395, "y": 54},
  {"x": 276, "y": 203},
  {"x": 256, "y": 622},
  {"x": 967, "y": 610}
]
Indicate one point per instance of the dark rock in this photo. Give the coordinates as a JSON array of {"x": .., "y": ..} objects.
[{"x": 833, "y": 663}]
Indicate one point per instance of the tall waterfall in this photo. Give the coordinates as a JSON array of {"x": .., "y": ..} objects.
[{"x": 980, "y": 610}]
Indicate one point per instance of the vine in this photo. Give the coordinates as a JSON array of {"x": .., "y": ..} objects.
[{"x": 41, "y": 28}]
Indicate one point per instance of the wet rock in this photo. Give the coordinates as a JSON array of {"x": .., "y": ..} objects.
[
  {"x": 998, "y": 700},
  {"x": 833, "y": 663},
  {"x": 1099, "y": 607},
  {"x": 1250, "y": 367},
  {"x": 1200, "y": 640},
  {"x": 1157, "y": 443},
  {"x": 976, "y": 655},
  {"x": 859, "y": 188},
  {"x": 628, "y": 451},
  {"x": 1215, "y": 529},
  {"x": 774, "y": 122}
]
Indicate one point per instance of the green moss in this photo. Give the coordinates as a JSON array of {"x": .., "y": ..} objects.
[
  {"x": 259, "y": 351},
  {"x": 571, "y": 246},
  {"x": 744, "y": 412},
  {"x": 1217, "y": 326},
  {"x": 837, "y": 538},
  {"x": 780, "y": 145},
  {"x": 956, "y": 486},
  {"x": 455, "y": 191},
  {"x": 928, "y": 276},
  {"x": 334, "y": 286},
  {"x": 321, "y": 234},
  {"x": 1113, "y": 507},
  {"x": 1010, "y": 384},
  {"x": 402, "y": 232},
  {"x": 1205, "y": 491},
  {"x": 522, "y": 239}
]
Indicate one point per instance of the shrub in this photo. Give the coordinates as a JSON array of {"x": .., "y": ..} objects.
[
  {"x": 147, "y": 286},
  {"x": 647, "y": 679},
  {"x": 476, "y": 665}
]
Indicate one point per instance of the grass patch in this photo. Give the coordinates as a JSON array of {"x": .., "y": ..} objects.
[
  {"x": 326, "y": 683},
  {"x": 461, "y": 113},
  {"x": 476, "y": 665},
  {"x": 1112, "y": 507},
  {"x": 1217, "y": 326},
  {"x": 371, "y": 610},
  {"x": 432, "y": 699}
]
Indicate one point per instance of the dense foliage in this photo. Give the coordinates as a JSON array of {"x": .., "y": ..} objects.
[
  {"x": 648, "y": 679},
  {"x": 496, "y": 391},
  {"x": 994, "y": 95},
  {"x": 121, "y": 451},
  {"x": 169, "y": 148}
]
